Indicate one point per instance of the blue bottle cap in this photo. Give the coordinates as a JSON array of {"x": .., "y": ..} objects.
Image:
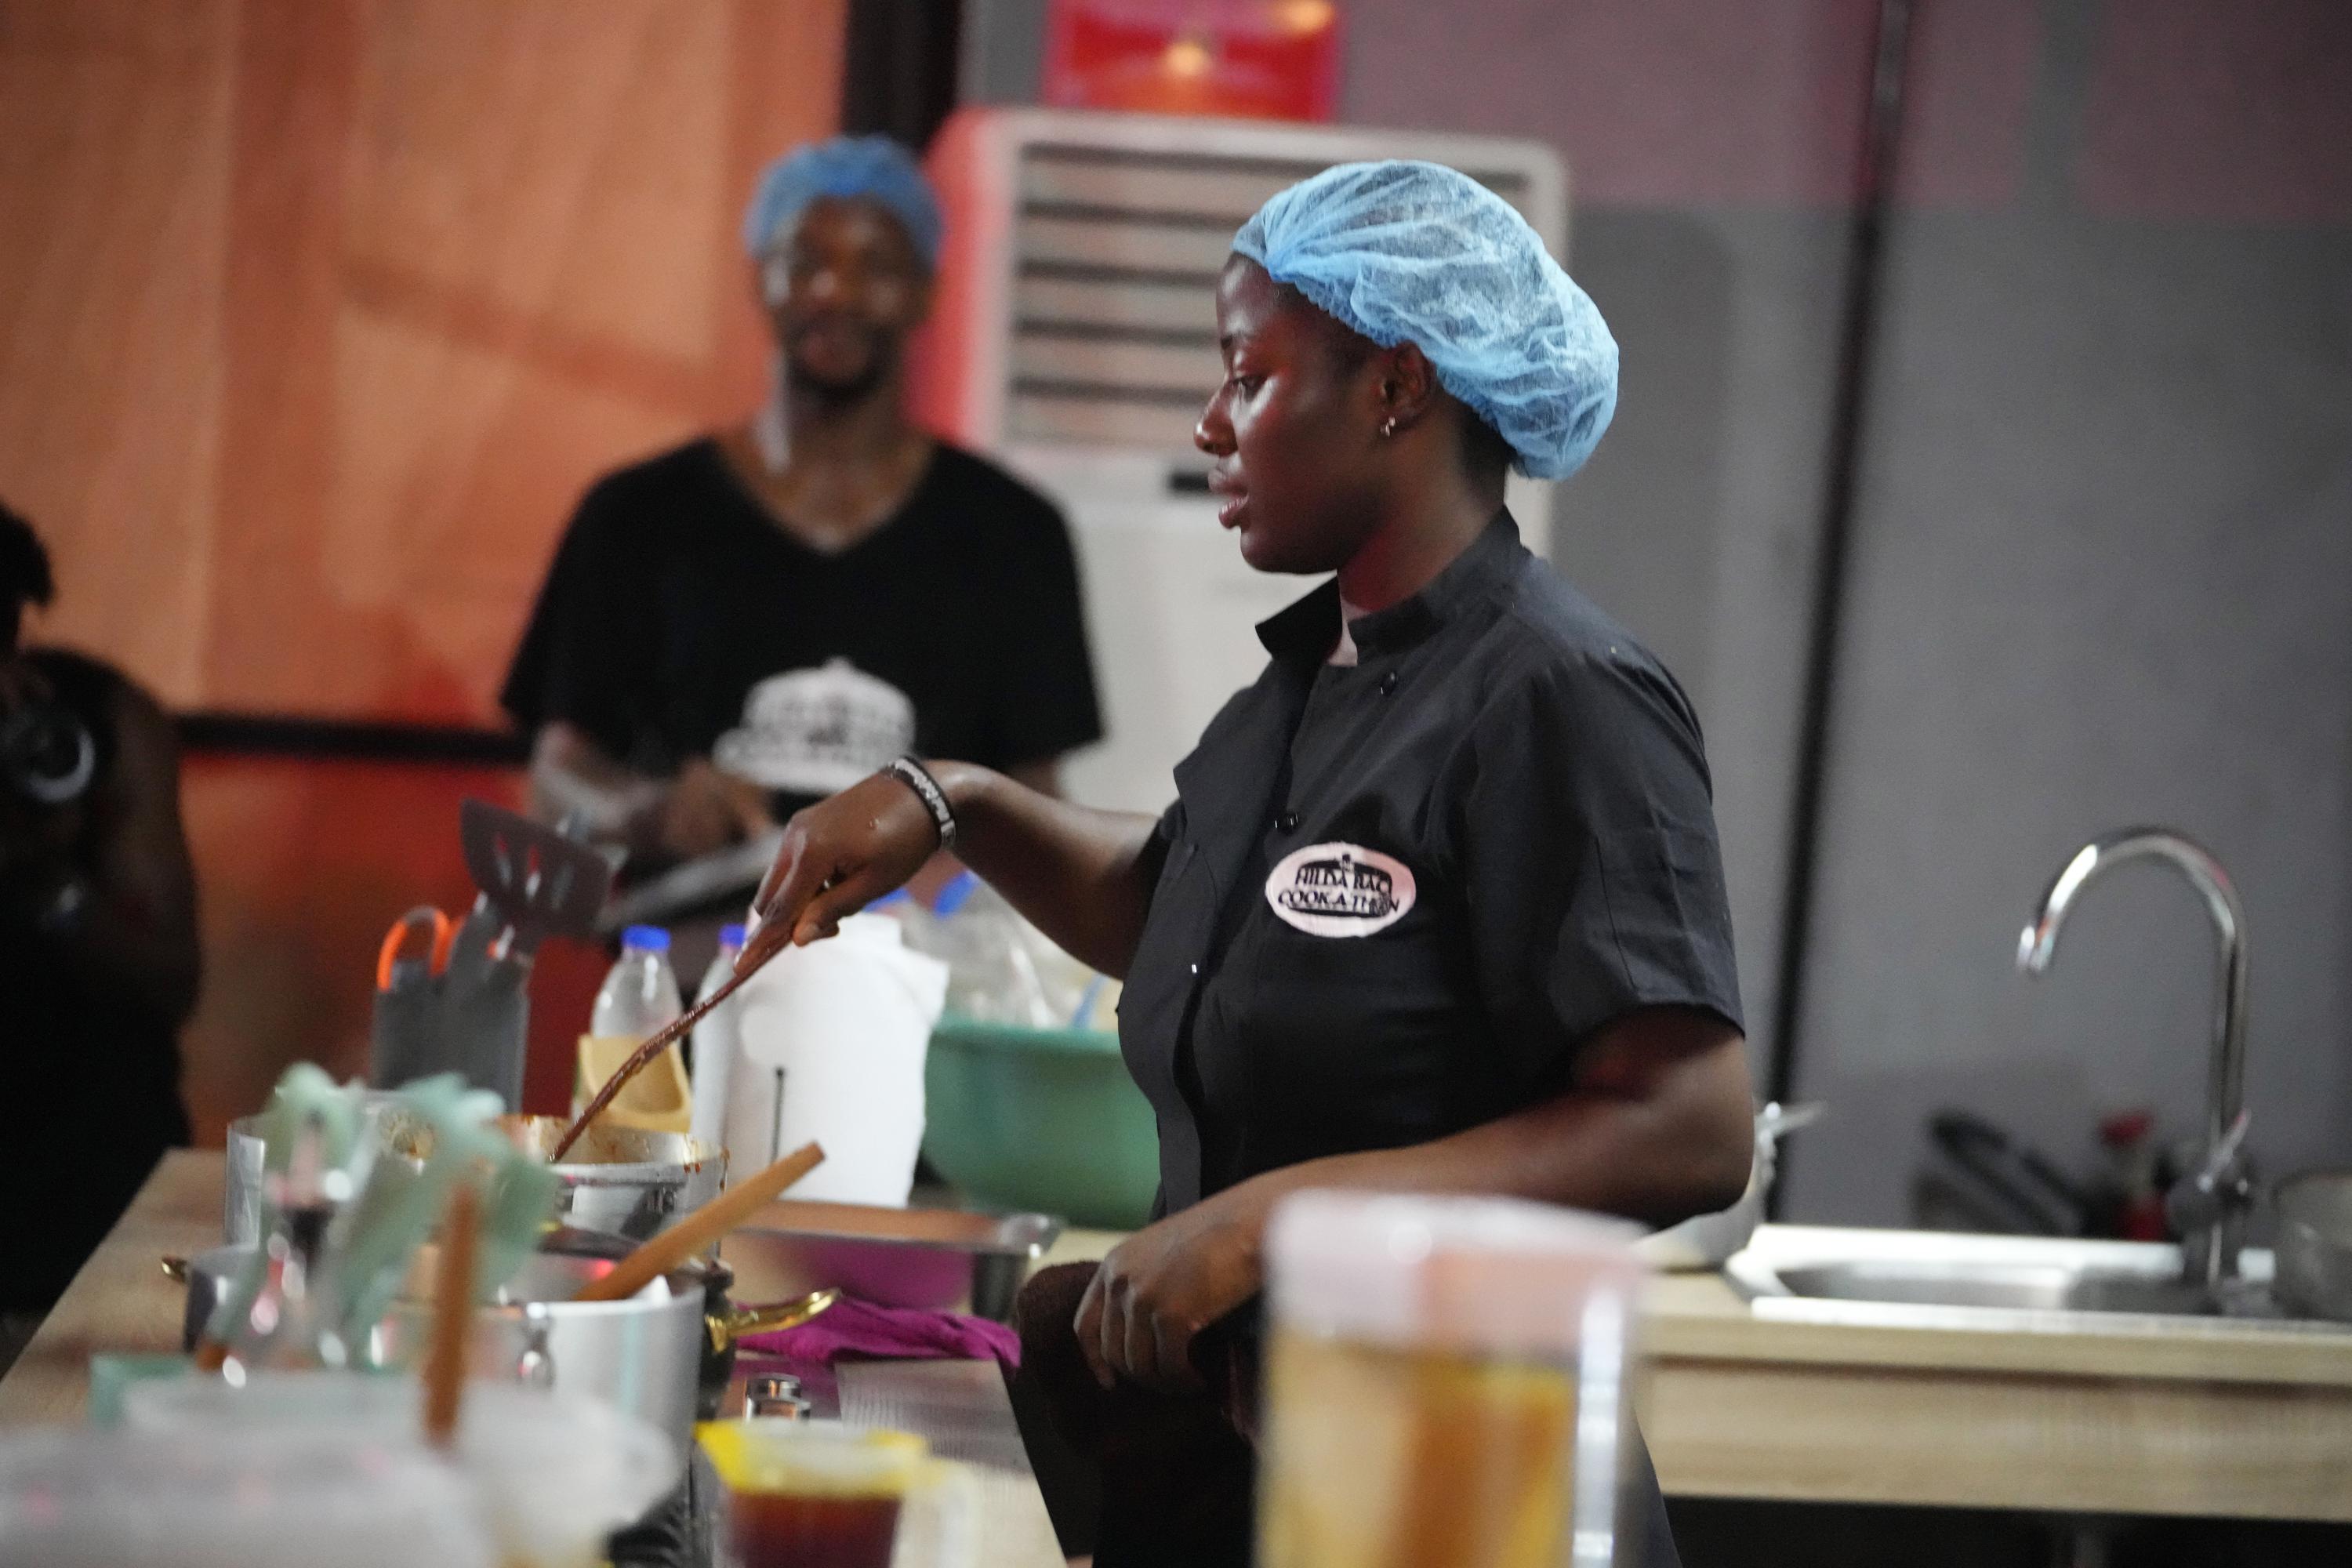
[
  {"x": 645, "y": 938},
  {"x": 730, "y": 936},
  {"x": 956, "y": 894}
]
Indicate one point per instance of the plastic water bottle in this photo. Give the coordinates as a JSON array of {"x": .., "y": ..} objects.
[
  {"x": 639, "y": 996},
  {"x": 715, "y": 1043}
]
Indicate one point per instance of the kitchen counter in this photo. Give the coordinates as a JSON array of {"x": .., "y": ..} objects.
[
  {"x": 1817, "y": 1401},
  {"x": 2074, "y": 1411},
  {"x": 123, "y": 1301}
]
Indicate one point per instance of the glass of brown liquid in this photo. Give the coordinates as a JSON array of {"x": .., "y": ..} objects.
[
  {"x": 1445, "y": 1383},
  {"x": 799, "y": 1496}
]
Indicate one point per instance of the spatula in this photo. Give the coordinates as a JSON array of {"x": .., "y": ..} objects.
[{"x": 543, "y": 883}]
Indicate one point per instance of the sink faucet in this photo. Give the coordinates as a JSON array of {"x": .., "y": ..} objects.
[{"x": 2213, "y": 1200}]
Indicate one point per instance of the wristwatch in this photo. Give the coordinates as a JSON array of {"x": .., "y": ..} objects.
[{"x": 917, "y": 777}]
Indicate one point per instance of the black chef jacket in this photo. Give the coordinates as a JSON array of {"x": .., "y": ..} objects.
[{"x": 1392, "y": 900}]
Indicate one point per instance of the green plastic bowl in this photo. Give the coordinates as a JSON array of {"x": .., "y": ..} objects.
[{"x": 1040, "y": 1118}]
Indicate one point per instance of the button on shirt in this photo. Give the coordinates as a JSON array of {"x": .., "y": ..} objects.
[{"x": 1392, "y": 900}]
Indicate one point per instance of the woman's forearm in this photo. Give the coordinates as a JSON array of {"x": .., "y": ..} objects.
[
  {"x": 1676, "y": 1143},
  {"x": 1076, "y": 873}
]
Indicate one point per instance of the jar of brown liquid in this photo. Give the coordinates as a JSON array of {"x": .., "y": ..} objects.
[
  {"x": 1445, "y": 1383},
  {"x": 798, "y": 1498}
]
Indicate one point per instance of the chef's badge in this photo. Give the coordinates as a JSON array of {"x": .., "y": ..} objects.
[{"x": 1340, "y": 890}]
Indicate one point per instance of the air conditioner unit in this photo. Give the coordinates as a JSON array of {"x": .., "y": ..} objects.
[{"x": 1073, "y": 339}]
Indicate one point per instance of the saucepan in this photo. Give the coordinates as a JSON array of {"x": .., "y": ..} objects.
[
  {"x": 2313, "y": 1249},
  {"x": 663, "y": 1355},
  {"x": 618, "y": 1181}
]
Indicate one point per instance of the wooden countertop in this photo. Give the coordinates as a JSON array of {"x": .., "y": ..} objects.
[
  {"x": 2073, "y": 1411},
  {"x": 123, "y": 1301},
  {"x": 2085, "y": 1412}
]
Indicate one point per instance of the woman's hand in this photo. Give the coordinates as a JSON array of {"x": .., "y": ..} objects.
[
  {"x": 839, "y": 856},
  {"x": 1163, "y": 1284}
]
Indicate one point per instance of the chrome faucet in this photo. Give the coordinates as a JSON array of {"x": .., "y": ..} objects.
[{"x": 2210, "y": 1205}]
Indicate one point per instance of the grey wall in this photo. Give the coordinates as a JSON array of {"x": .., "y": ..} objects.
[
  {"x": 2103, "y": 553},
  {"x": 2103, "y": 575},
  {"x": 2103, "y": 549},
  {"x": 1695, "y": 521}
]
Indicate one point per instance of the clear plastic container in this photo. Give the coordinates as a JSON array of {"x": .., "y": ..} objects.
[
  {"x": 1445, "y": 1382},
  {"x": 639, "y": 997},
  {"x": 639, "y": 994},
  {"x": 260, "y": 1498},
  {"x": 544, "y": 1477}
]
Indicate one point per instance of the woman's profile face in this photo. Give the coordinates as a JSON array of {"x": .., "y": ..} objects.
[{"x": 1294, "y": 427}]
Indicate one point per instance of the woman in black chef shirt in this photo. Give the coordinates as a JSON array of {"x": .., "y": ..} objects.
[{"x": 1439, "y": 904}]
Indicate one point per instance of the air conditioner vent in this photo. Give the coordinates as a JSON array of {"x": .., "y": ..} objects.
[{"x": 1116, "y": 255}]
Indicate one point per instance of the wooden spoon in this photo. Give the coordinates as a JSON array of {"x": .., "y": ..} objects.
[
  {"x": 453, "y": 1317},
  {"x": 668, "y": 1249}
]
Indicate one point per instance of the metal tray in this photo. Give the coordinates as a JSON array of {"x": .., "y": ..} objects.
[{"x": 930, "y": 1258}]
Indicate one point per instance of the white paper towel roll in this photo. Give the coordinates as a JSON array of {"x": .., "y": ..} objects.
[{"x": 830, "y": 1045}]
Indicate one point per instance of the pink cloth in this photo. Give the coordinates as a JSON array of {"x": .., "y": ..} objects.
[{"x": 860, "y": 1330}]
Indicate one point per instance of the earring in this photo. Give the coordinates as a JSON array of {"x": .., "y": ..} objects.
[{"x": 1388, "y": 427}]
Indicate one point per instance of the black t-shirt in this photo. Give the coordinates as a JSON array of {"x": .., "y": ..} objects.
[
  {"x": 97, "y": 1069},
  {"x": 680, "y": 620},
  {"x": 1393, "y": 898}
]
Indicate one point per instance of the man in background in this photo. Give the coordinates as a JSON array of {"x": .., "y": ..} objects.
[
  {"x": 768, "y": 613},
  {"x": 98, "y": 946}
]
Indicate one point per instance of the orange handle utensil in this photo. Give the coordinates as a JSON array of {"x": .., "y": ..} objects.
[
  {"x": 445, "y": 931},
  {"x": 697, "y": 1230}
]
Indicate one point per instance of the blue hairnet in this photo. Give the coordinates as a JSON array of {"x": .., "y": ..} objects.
[
  {"x": 874, "y": 167},
  {"x": 1416, "y": 252}
]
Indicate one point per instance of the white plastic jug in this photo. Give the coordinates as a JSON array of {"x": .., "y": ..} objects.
[{"x": 830, "y": 1045}]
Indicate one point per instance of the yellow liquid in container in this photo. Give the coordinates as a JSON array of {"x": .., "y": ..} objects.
[{"x": 1381, "y": 1458}]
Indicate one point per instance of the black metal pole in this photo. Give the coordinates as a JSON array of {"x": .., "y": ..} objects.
[{"x": 1865, "y": 282}]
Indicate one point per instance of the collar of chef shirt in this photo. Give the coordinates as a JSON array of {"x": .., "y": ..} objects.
[{"x": 1305, "y": 631}]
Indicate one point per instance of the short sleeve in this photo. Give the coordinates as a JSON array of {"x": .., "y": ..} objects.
[
  {"x": 1043, "y": 702},
  {"x": 584, "y": 658},
  {"x": 1594, "y": 877}
]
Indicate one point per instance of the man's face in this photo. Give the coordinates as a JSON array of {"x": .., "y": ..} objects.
[{"x": 843, "y": 292}]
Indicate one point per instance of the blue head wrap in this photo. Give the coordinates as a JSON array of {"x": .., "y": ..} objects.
[
  {"x": 1416, "y": 252},
  {"x": 873, "y": 167}
]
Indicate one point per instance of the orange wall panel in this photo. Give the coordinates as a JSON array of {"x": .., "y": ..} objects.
[{"x": 316, "y": 316}]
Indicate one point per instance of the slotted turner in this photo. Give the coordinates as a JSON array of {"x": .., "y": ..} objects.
[{"x": 540, "y": 882}]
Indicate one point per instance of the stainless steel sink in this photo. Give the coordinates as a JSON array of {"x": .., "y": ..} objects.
[
  {"x": 2054, "y": 1288},
  {"x": 1824, "y": 1274}
]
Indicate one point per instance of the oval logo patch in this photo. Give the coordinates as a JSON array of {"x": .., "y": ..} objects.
[{"x": 1340, "y": 890}]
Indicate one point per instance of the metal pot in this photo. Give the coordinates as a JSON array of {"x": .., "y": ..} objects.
[
  {"x": 644, "y": 1356},
  {"x": 621, "y": 1181},
  {"x": 628, "y": 1358},
  {"x": 2312, "y": 1250}
]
